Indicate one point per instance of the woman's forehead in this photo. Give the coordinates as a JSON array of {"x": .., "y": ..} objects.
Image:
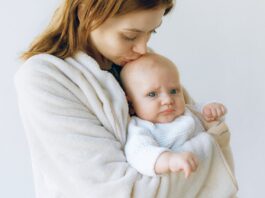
[{"x": 138, "y": 21}]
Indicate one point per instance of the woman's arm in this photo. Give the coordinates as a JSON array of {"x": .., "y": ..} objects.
[{"x": 73, "y": 155}]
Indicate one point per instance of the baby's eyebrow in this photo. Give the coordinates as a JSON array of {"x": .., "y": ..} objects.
[{"x": 151, "y": 89}]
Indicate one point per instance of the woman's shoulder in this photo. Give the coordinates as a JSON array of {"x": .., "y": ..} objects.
[
  {"x": 38, "y": 63},
  {"x": 50, "y": 65},
  {"x": 43, "y": 70},
  {"x": 43, "y": 60},
  {"x": 46, "y": 75}
]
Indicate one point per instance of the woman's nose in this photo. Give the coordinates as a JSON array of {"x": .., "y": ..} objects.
[{"x": 141, "y": 46}]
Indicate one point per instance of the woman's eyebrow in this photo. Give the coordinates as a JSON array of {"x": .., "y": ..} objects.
[{"x": 137, "y": 30}]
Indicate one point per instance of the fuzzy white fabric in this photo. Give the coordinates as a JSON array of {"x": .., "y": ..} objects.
[{"x": 75, "y": 116}]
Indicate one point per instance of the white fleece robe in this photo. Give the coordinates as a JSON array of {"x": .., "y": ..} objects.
[{"x": 75, "y": 116}]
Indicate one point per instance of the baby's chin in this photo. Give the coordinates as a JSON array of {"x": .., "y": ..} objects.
[{"x": 166, "y": 119}]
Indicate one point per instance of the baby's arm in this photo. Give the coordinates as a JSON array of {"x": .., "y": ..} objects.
[
  {"x": 176, "y": 162},
  {"x": 213, "y": 111},
  {"x": 141, "y": 149}
]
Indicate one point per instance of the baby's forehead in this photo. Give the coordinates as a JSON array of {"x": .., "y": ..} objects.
[
  {"x": 150, "y": 61},
  {"x": 150, "y": 64}
]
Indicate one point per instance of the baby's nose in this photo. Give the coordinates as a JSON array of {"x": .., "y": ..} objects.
[{"x": 167, "y": 99}]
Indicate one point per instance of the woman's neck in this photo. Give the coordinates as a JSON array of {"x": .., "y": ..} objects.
[{"x": 104, "y": 63}]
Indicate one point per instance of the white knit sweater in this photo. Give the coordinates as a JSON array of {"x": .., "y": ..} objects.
[{"x": 147, "y": 140}]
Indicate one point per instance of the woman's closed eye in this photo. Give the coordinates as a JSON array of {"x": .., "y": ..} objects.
[
  {"x": 134, "y": 37},
  {"x": 129, "y": 36}
]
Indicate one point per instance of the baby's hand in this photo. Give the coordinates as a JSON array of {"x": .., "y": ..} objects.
[
  {"x": 185, "y": 161},
  {"x": 213, "y": 111}
]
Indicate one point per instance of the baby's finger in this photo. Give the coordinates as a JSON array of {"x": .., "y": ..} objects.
[
  {"x": 219, "y": 112},
  {"x": 214, "y": 113},
  {"x": 195, "y": 163},
  {"x": 207, "y": 112},
  {"x": 223, "y": 109},
  {"x": 187, "y": 170},
  {"x": 192, "y": 163},
  {"x": 207, "y": 118},
  {"x": 178, "y": 170}
]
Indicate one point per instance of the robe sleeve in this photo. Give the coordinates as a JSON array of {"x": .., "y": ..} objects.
[{"x": 73, "y": 154}]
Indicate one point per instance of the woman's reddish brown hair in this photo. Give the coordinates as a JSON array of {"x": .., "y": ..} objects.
[{"x": 71, "y": 24}]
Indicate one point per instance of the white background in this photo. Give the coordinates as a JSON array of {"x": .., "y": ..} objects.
[{"x": 219, "y": 47}]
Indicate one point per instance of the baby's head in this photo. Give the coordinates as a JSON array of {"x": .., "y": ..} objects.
[{"x": 152, "y": 85}]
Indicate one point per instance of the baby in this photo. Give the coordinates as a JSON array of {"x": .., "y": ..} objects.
[{"x": 159, "y": 134}]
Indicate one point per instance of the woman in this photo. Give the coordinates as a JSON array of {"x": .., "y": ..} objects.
[{"x": 74, "y": 111}]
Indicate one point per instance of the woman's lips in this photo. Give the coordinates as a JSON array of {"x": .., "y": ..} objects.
[
  {"x": 123, "y": 63},
  {"x": 127, "y": 60}
]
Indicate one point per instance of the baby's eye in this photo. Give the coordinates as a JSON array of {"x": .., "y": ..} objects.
[
  {"x": 152, "y": 94},
  {"x": 173, "y": 91},
  {"x": 154, "y": 32}
]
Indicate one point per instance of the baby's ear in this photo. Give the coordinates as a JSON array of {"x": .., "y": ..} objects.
[
  {"x": 131, "y": 109},
  {"x": 128, "y": 98}
]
